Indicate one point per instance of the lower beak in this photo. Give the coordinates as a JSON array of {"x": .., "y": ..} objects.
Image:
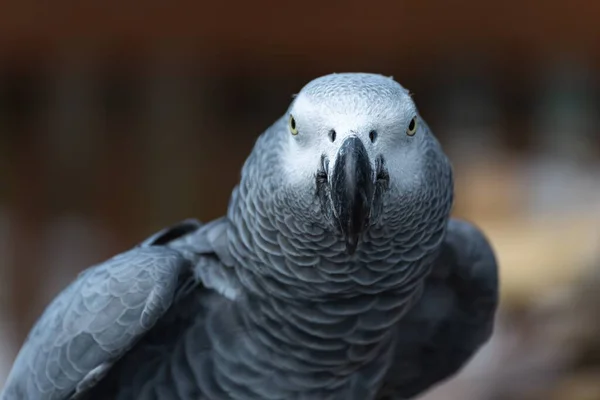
[{"x": 352, "y": 188}]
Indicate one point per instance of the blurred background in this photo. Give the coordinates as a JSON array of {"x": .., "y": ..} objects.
[{"x": 119, "y": 119}]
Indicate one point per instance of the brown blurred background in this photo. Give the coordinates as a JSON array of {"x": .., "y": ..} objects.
[{"x": 118, "y": 119}]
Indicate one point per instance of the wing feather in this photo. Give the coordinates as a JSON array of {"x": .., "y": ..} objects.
[{"x": 100, "y": 316}]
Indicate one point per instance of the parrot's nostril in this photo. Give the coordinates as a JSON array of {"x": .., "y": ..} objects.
[
  {"x": 373, "y": 136},
  {"x": 332, "y": 135}
]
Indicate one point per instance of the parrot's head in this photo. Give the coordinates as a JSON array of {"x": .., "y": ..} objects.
[{"x": 356, "y": 143}]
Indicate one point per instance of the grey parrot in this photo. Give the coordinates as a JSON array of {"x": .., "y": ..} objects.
[{"x": 337, "y": 273}]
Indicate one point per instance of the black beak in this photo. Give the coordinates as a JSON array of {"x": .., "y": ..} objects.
[{"x": 352, "y": 188}]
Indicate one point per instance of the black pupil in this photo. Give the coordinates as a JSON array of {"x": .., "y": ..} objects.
[
  {"x": 293, "y": 123},
  {"x": 411, "y": 126}
]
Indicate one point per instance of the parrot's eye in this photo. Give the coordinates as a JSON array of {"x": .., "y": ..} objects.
[
  {"x": 412, "y": 127},
  {"x": 293, "y": 127}
]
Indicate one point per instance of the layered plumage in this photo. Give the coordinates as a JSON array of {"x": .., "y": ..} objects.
[{"x": 336, "y": 274}]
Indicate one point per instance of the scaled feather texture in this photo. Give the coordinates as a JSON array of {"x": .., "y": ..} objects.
[{"x": 337, "y": 274}]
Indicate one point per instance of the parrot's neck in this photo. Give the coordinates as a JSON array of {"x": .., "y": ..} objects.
[{"x": 278, "y": 256}]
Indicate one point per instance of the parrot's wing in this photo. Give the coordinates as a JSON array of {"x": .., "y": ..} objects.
[
  {"x": 106, "y": 310},
  {"x": 453, "y": 318}
]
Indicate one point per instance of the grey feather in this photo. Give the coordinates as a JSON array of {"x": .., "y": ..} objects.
[
  {"x": 271, "y": 302},
  {"x": 100, "y": 316},
  {"x": 453, "y": 318}
]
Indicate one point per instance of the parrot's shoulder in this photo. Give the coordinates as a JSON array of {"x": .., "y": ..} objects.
[
  {"x": 467, "y": 255},
  {"x": 209, "y": 245}
]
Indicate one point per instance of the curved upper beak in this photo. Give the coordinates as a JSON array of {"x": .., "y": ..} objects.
[{"x": 352, "y": 189}]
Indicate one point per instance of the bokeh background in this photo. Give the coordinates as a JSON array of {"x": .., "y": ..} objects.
[{"x": 117, "y": 119}]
